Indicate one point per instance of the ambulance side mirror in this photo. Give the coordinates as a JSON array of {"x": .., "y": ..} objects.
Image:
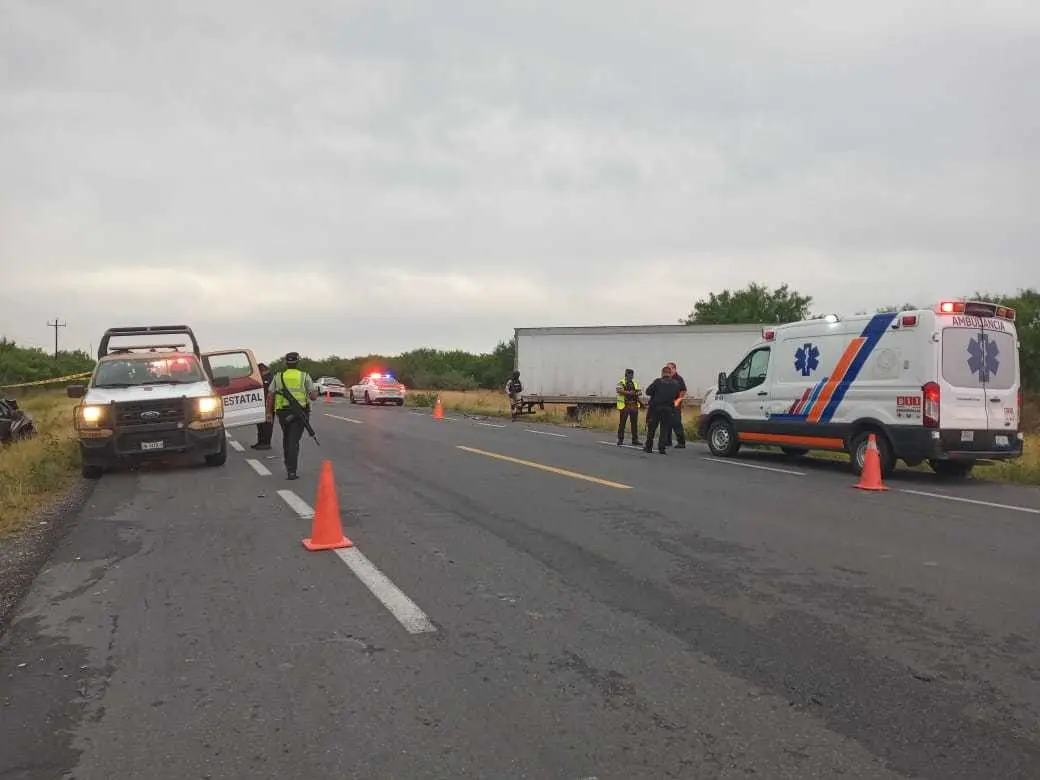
[{"x": 722, "y": 382}]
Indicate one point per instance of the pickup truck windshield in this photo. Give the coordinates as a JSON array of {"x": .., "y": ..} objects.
[{"x": 148, "y": 370}]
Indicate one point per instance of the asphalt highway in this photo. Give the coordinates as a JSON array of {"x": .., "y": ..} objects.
[{"x": 525, "y": 601}]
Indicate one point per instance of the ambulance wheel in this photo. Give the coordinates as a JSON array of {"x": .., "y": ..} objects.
[
  {"x": 858, "y": 452},
  {"x": 956, "y": 469},
  {"x": 722, "y": 439}
]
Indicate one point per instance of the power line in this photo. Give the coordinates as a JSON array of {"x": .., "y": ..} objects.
[{"x": 56, "y": 324}]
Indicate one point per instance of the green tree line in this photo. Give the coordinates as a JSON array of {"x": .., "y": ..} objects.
[
  {"x": 428, "y": 369},
  {"x": 32, "y": 364}
]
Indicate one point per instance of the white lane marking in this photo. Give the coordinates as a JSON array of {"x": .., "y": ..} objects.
[
  {"x": 931, "y": 563},
  {"x": 344, "y": 419},
  {"x": 623, "y": 446},
  {"x": 755, "y": 466},
  {"x": 236, "y": 446},
  {"x": 259, "y": 467},
  {"x": 297, "y": 504},
  {"x": 401, "y": 607},
  {"x": 546, "y": 433},
  {"x": 488, "y": 425},
  {"x": 421, "y": 414},
  {"x": 1012, "y": 507}
]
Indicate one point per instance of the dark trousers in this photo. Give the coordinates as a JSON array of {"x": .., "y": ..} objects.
[
  {"x": 658, "y": 417},
  {"x": 264, "y": 431},
  {"x": 630, "y": 416},
  {"x": 292, "y": 433},
  {"x": 677, "y": 428}
]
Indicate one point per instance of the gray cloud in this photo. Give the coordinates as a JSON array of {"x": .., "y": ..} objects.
[{"x": 355, "y": 177}]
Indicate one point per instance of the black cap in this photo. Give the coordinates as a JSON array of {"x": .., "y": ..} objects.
[
  {"x": 292, "y": 358},
  {"x": 629, "y": 371}
]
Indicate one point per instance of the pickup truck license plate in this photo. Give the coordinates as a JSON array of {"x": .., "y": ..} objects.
[
  {"x": 151, "y": 445},
  {"x": 1002, "y": 441}
]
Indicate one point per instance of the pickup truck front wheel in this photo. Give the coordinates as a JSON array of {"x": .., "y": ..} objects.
[
  {"x": 92, "y": 472},
  {"x": 218, "y": 458}
]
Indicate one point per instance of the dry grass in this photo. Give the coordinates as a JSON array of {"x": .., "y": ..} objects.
[
  {"x": 491, "y": 403},
  {"x": 34, "y": 473}
]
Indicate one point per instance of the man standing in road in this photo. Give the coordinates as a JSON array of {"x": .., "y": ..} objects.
[
  {"x": 628, "y": 407},
  {"x": 662, "y": 394},
  {"x": 515, "y": 389},
  {"x": 302, "y": 388},
  {"x": 266, "y": 428},
  {"x": 677, "y": 423}
]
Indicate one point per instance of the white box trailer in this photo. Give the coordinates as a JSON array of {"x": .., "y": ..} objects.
[{"x": 580, "y": 366}]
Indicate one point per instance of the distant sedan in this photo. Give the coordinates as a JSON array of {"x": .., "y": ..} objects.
[
  {"x": 332, "y": 386},
  {"x": 378, "y": 389}
]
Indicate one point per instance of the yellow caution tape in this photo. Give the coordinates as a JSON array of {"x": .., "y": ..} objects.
[{"x": 47, "y": 381}]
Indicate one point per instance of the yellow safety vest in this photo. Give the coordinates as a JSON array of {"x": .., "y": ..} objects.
[
  {"x": 293, "y": 381},
  {"x": 621, "y": 397}
]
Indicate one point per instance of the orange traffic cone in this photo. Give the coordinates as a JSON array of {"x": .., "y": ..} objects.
[
  {"x": 328, "y": 397},
  {"x": 326, "y": 529},
  {"x": 438, "y": 410},
  {"x": 870, "y": 478}
]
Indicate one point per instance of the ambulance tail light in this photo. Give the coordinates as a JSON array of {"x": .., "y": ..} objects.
[
  {"x": 931, "y": 405},
  {"x": 908, "y": 321}
]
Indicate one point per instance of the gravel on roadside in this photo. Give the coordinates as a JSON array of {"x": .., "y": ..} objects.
[{"x": 23, "y": 554}]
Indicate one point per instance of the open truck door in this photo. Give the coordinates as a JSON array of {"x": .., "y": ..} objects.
[{"x": 244, "y": 402}]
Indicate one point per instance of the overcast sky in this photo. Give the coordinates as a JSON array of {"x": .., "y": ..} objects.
[{"x": 352, "y": 177}]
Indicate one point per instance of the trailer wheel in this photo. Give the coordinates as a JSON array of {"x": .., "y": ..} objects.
[{"x": 722, "y": 438}]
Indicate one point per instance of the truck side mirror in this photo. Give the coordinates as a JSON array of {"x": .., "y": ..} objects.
[
  {"x": 76, "y": 391},
  {"x": 722, "y": 382}
]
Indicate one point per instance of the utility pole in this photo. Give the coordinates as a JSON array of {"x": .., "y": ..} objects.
[{"x": 56, "y": 324}]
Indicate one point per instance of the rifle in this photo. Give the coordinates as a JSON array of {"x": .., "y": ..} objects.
[{"x": 297, "y": 409}]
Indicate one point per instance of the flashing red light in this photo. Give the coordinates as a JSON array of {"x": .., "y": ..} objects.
[
  {"x": 909, "y": 320},
  {"x": 931, "y": 405},
  {"x": 768, "y": 335}
]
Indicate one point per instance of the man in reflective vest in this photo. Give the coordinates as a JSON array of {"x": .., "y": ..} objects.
[
  {"x": 628, "y": 407},
  {"x": 302, "y": 388}
]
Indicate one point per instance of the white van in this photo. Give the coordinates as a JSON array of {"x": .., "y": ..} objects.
[{"x": 938, "y": 385}]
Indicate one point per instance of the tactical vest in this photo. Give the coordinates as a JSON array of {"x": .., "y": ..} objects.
[
  {"x": 621, "y": 397},
  {"x": 293, "y": 381}
]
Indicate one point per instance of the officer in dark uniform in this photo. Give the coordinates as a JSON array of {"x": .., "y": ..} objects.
[
  {"x": 662, "y": 393},
  {"x": 677, "y": 423},
  {"x": 265, "y": 430},
  {"x": 301, "y": 387},
  {"x": 515, "y": 389}
]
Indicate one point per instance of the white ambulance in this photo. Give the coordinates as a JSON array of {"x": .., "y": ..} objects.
[{"x": 938, "y": 385}]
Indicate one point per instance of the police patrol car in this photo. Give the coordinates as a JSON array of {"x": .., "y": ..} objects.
[{"x": 939, "y": 385}]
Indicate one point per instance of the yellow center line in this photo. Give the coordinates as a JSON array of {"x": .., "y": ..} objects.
[
  {"x": 543, "y": 467},
  {"x": 345, "y": 419}
]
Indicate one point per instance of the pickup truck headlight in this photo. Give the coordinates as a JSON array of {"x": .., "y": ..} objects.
[
  {"x": 89, "y": 416},
  {"x": 210, "y": 407}
]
